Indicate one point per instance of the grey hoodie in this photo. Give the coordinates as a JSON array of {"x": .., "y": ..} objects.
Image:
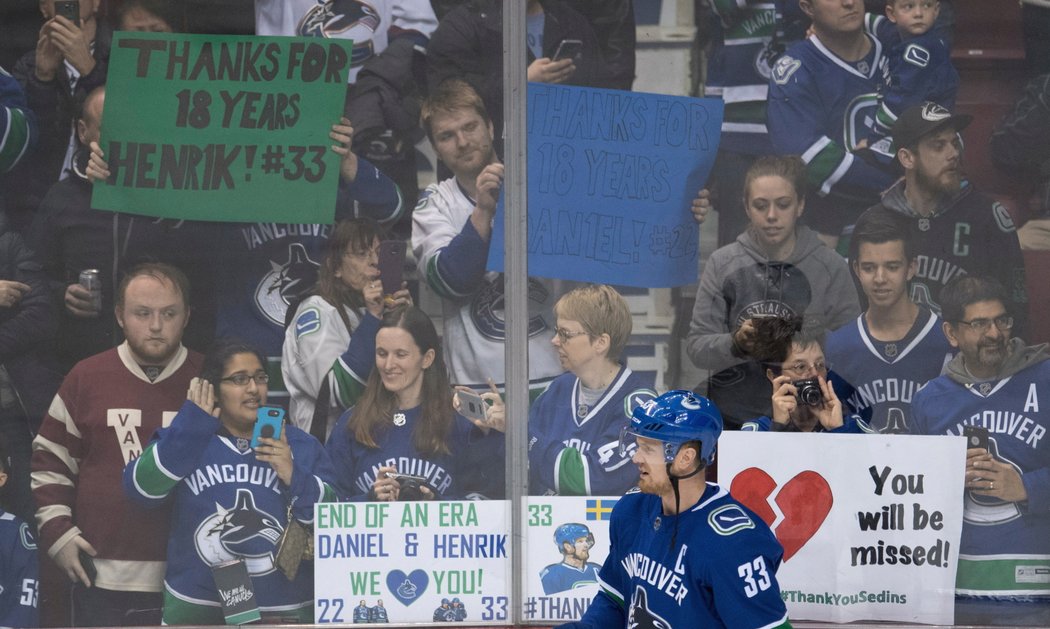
[
  {"x": 1018, "y": 357},
  {"x": 739, "y": 281}
]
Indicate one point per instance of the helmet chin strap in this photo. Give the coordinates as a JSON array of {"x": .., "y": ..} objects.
[{"x": 677, "y": 496}]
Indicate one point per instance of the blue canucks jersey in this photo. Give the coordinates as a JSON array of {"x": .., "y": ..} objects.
[
  {"x": 885, "y": 375},
  {"x": 1005, "y": 546},
  {"x": 820, "y": 107},
  {"x": 18, "y": 573},
  {"x": 228, "y": 506},
  {"x": 559, "y": 577},
  {"x": 473, "y": 464},
  {"x": 574, "y": 449},
  {"x": 720, "y": 571},
  {"x": 918, "y": 69}
]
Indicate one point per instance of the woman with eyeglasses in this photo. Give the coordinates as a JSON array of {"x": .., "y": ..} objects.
[
  {"x": 329, "y": 346},
  {"x": 777, "y": 268},
  {"x": 807, "y": 396},
  {"x": 574, "y": 426},
  {"x": 230, "y": 500},
  {"x": 403, "y": 440}
]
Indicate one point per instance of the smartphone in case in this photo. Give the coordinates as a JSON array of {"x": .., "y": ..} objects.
[
  {"x": 269, "y": 420},
  {"x": 569, "y": 49},
  {"x": 976, "y": 437},
  {"x": 471, "y": 405},
  {"x": 392, "y": 264},
  {"x": 69, "y": 9}
]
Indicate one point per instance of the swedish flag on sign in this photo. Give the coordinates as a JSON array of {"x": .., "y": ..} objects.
[{"x": 600, "y": 509}]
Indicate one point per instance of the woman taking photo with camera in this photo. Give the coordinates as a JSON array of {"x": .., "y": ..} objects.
[
  {"x": 777, "y": 268},
  {"x": 329, "y": 347},
  {"x": 403, "y": 440},
  {"x": 232, "y": 500}
]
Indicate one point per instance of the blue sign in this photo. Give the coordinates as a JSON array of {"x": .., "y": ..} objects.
[{"x": 611, "y": 177}]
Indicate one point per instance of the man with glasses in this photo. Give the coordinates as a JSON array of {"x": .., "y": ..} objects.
[
  {"x": 102, "y": 418},
  {"x": 806, "y": 395},
  {"x": 994, "y": 391},
  {"x": 956, "y": 230}
]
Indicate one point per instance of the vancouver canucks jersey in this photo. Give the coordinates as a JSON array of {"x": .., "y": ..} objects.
[
  {"x": 742, "y": 53},
  {"x": 228, "y": 506},
  {"x": 720, "y": 570},
  {"x": 820, "y": 107},
  {"x": 574, "y": 450},
  {"x": 885, "y": 376},
  {"x": 559, "y": 577},
  {"x": 18, "y": 573},
  {"x": 452, "y": 257},
  {"x": 475, "y": 461},
  {"x": 1005, "y": 546},
  {"x": 918, "y": 69}
]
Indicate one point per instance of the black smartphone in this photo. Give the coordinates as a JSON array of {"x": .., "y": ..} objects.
[
  {"x": 69, "y": 9},
  {"x": 268, "y": 423},
  {"x": 976, "y": 437},
  {"x": 471, "y": 405},
  {"x": 568, "y": 49},
  {"x": 392, "y": 264},
  {"x": 88, "y": 564}
]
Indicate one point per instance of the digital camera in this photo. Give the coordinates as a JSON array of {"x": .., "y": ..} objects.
[{"x": 808, "y": 392}]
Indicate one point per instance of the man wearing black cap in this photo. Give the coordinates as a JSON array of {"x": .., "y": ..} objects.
[{"x": 956, "y": 230}]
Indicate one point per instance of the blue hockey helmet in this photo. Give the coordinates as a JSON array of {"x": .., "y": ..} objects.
[
  {"x": 444, "y": 601},
  {"x": 455, "y": 601},
  {"x": 676, "y": 417},
  {"x": 569, "y": 532}
]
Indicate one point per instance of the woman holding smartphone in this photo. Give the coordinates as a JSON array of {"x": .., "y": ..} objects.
[
  {"x": 403, "y": 440},
  {"x": 329, "y": 347},
  {"x": 231, "y": 502}
]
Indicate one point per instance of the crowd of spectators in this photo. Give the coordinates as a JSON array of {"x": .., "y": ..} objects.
[{"x": 856, "y": 265}]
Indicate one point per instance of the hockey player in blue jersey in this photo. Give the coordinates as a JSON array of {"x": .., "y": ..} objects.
[
  {"x": 458, "y": 610},
  {"x": 683, "y": 552},
  {"x": 378, "y": 613},
  {"x": 574, "y": 542},
  {"x": 574, "y": 426},
  {"x": 362, "y": 613},
  {"x": 18, "y": 564},
  {"x": 891, "y": 350},
  {"x": 997, "y": 383}
]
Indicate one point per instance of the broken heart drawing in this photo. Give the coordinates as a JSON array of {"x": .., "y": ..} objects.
[{"x": 805, "y": 501}]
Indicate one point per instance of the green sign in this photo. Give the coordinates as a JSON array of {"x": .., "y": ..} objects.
[{"x": 223, "y": 128}]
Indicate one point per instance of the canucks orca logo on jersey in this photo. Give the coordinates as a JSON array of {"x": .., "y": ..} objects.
[
  {"x": 487, "y": 310},
  {"x": 345, "y": 19},
  {"x": 640, "y": 616},
  {"x": 285, "y": 282},
  {"x": 241, "y": 531}
]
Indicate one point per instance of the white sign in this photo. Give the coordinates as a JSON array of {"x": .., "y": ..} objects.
[
  {"x": 870, "y": 524},
  {"x": 412, "y": 562},
  {"x": 568, "y": 540}
]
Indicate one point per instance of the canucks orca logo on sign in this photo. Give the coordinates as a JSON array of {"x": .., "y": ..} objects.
[
  {"x": 242, "y": 531},
  {"x": 640, "y": 616},
  {"x": 285, "y": 282},
  {"x": 345, "y": 19},
  {"x": 487, "y": 313}
]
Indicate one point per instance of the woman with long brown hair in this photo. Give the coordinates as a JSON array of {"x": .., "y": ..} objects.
[{"x": 403, "y": 440}]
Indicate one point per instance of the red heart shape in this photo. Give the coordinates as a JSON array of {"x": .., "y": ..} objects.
[{"x": 805, "y": 501}]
